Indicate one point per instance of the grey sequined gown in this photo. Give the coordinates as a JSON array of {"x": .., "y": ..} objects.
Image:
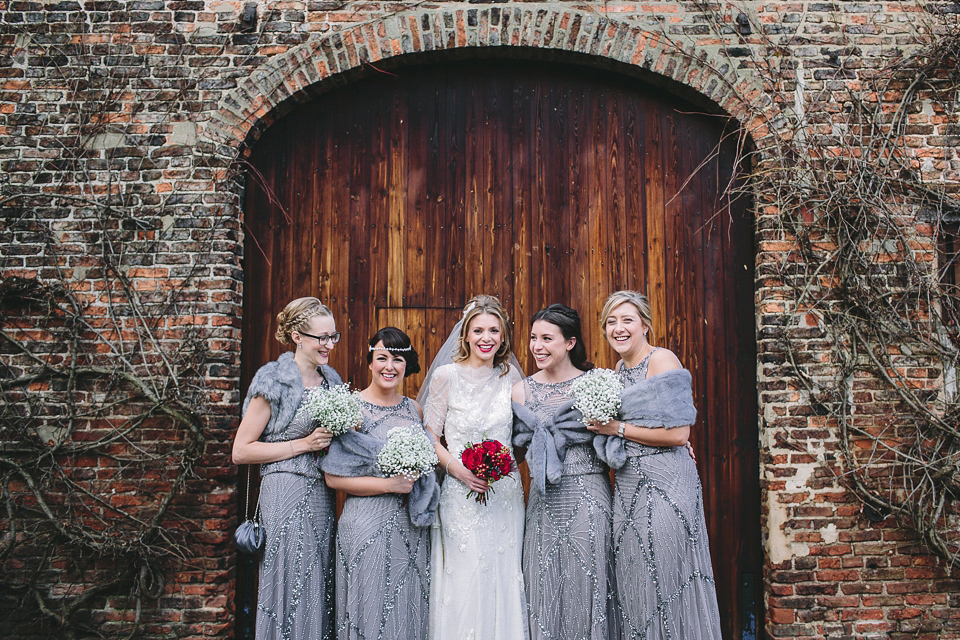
[
  {"x": 566, "y": 543},
  {"x": 295, "y": 600},
  {"x": 383, "y": 577},
  {"x": 663, "y": 575}
]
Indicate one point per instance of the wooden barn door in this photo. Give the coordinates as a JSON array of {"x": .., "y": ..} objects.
[{"x": 397, "y": 197}]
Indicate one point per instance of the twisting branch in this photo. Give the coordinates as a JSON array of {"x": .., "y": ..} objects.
[
  {"x": 101, "y": 401},
  {"x": 852, "y": 197}
]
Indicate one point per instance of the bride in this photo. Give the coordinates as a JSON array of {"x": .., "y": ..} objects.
[{"x": 476, "y": 590}]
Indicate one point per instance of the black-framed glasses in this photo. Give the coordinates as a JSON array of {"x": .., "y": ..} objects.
[{"x": 332, "y": 338}]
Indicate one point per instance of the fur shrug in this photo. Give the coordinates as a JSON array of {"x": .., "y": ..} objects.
[
  {"x": 662, "y": 401},
  {"x": 547, "y": 444},
  {"x": 354, "y": 454},
  {"x": 280, "y": 384}
]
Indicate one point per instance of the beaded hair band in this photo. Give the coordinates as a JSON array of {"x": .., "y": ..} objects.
[
  {"x": 470, "y": 307},
  {"x": 391, "y": 349}
]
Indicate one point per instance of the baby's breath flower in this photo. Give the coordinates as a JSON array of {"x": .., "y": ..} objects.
[
  {"x": 408, "y": 452},
  {"x": 337, "y": 408},
  {"x": 597, "y": 395}
]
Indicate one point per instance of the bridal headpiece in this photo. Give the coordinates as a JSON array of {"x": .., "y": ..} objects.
[{"x": 391, "y": 349}]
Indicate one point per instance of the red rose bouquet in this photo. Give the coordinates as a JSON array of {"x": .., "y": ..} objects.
[{"x": 490, "y": 460}]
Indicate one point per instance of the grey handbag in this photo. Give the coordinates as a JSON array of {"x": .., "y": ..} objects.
[{"x": 249, "y": 536}]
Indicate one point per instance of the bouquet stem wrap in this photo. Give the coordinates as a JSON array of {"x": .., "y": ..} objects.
[
  {"x": 354, "y": 454},
  {"x": 547, "y": 444},
  {"x": 663, "y": 401}
]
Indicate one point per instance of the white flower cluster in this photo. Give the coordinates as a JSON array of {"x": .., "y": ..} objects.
[
  {"x": 337, "y": 408},
  {"x": 597, "y": 395},
  {"x": 408, "y": 452}
]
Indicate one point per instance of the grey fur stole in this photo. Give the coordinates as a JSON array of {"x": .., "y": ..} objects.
[
  {"x": 354, "y": 454},
  {"x": 281, "y": 385},
  {"x": 547, "y": 444},
  {"x": 662, "y": 401}
]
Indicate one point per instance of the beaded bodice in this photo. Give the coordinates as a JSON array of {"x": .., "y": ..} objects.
[
  {"x": 302, "y": 425},
  {"x": 469, "y": 404},
  {"x": 630, "y": 376},
  {"x": 544, "y": 399},
  {"x": 378, "y": 419}
]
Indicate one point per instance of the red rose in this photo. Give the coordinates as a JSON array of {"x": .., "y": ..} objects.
[
  {"x": 471, "y": 458},
  {"x": 492, "y": 446}
]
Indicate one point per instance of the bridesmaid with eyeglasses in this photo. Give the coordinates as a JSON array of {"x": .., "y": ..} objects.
[{"x": 295, "y": 599}]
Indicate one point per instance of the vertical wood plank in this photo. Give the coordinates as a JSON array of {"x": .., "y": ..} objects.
[
  {"x": 656, "y": 285},
  {"x": 397, "y": 203}
]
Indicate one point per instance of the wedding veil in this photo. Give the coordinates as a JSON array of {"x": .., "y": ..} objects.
[{"x": 444, "y": 356}]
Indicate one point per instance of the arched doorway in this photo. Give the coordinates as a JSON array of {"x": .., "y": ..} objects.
[{"x": 397, "y": 197}]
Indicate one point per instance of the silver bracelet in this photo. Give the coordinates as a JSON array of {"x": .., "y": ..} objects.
[
  {"x": 623, "y": 425},
  {"x": 446, "y": 467}
]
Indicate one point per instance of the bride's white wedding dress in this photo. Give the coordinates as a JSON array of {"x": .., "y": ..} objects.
[{"x": 476, "y": 590}]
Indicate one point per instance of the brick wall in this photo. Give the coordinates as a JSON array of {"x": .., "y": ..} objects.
[{"x": 119, "y": 125}]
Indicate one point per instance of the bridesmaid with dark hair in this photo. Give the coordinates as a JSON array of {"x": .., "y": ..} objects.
[
  {"x": 382, "y": 574},
  {"x": 568, "y": 522}
]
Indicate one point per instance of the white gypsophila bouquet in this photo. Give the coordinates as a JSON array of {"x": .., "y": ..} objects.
[
  {"x": 408, "y": 452},
  {"x": 597, "y": 395},
  {"x": 336, "y": 408}
]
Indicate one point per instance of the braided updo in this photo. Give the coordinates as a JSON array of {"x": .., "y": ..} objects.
[
  {"x": 568, "y": 321},
  {"x": 296, "y": 315}
]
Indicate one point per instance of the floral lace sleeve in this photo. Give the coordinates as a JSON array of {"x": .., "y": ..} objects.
[
  {"x": 515, "y": 376},
  {"x": 435, "y": 409}
]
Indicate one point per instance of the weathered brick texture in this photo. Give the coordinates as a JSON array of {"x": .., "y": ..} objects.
[{"x": 140, "y": 108}]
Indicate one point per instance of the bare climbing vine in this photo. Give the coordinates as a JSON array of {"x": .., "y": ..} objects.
[
  {"x": 105, "y": 347},
  {"x": 870, "y": 305}
]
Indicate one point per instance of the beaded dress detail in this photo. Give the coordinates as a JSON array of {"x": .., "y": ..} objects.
[
  {"x": 566, "y": 545},
  {"x": 664, "y": 583},
  {"x": 476, "y": 580},
  {"x": 295, "y": 599},
  {"x": 383, "y": 576}
]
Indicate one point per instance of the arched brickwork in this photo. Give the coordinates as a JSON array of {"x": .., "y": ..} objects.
[{"x": 292, "y": 77}]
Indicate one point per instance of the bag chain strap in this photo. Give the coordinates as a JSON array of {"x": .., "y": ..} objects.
[{"x": 246, "y": 508}]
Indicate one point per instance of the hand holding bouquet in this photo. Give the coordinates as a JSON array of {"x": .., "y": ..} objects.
[
  {"x": 408, "y": 452},
  {"x": 336, "y": 409},
  {"x": 597, "y": 395},
  {"x": 489, "y": 460}
]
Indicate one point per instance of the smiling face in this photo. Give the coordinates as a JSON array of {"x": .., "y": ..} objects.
[
  {"x": 316, "y": 352},
  {"x": 626, "y": 331},
  {"x": 484, "y": 337},
  {"x": 548, "y": 346},
  {"x": 388, "y": 369}
]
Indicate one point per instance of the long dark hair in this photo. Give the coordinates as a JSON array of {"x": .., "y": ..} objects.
[
  {"x": 568, "y": 321},
  {"x": 398, "y": 343}
]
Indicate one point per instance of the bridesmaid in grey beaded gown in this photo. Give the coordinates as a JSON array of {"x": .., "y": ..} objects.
[
  {"x": 295, "y": 599},
  {"x": 382, "y": 559},
  {"x": 568, "y": 524},
  {"x": 664, "y": 584}
]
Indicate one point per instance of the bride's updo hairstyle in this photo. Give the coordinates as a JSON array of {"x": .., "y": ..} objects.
[
  {"x": 478, "y": 305},
  {"x": 397, "y": 343},
  {"x": 296, "y": 315},
  {"x": 568, "y": 321},
  {"x": 638, "y": 300}
]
